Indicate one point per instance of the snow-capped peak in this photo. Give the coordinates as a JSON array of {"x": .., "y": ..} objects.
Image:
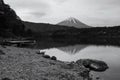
[
  {"x": 72, "y": 19},
  {"x": 74, "y": 23}
]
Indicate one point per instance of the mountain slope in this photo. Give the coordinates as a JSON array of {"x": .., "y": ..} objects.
[
  {"x": 10, "y": 24},
  {"x": 72, "y": 22}
]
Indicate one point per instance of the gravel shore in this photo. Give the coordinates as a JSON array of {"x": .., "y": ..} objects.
[{"x": 25, "y": 64}]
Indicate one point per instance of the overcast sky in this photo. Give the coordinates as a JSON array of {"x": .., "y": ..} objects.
[{"x": 90, "y": 12}]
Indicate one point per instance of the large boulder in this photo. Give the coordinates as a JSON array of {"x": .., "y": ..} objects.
[{"x": 94, "y": 65}]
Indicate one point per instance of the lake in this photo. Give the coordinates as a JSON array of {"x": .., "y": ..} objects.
[{"x": 108, "y": 54}]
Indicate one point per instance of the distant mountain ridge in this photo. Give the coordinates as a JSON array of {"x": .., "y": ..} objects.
[
  {"x": 73, "y": 22},
  {"x": 44, "y": 27}
]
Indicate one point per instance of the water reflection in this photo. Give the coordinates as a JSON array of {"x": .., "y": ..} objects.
[
  {"x": 109, "y": 54},
  {"x": 71, "y": 52},
  {"x": 72, "y": 49}
]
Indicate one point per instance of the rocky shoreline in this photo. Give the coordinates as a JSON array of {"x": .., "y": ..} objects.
[
  {"x": 30, "y": 64},
  {"x": 26, "y": 64}
]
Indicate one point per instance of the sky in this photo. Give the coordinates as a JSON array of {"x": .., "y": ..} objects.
[{"x": 90, "y": 12}]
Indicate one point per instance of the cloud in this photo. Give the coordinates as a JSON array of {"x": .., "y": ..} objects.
[
  {"x": 38, "y": 14},
  {"x": 92, "y": 12},
  {"x": 30, "y": 8},
  {"x": 59, "y": 1}
]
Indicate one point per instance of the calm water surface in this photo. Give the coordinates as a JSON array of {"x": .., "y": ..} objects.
[{"x": 109, "y": 54}]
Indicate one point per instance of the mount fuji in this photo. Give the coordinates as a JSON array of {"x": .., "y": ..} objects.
[{"x": 73, "y": 22}]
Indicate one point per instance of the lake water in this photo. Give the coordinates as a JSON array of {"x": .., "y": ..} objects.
[{"x": 109, "y": 54}]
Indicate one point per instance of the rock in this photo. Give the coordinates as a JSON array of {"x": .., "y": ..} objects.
[
  {"x": 1, "y": 52},
  {"x": 71, "y": 65},
  {"x": 41, "y": 53},
  {"x": 84, "y": 74},
  {"x": 46, "y": 56},
  {"x": 94, "y": 65},
  {"x": 97, "y": 78},
  {"x": 5, "y": 79},
  {"x": 53, "y": 58}
]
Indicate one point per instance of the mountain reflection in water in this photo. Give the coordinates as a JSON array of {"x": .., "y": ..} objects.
[
  {"x": 109, "y": 54},
  {"x": 72, "y": 49},
  {"x": 66, "y": 51}
]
